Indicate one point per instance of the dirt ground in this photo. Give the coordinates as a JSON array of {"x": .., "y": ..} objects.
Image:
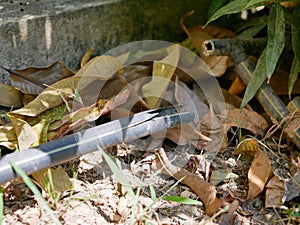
[{"x": 98, "y": 198}]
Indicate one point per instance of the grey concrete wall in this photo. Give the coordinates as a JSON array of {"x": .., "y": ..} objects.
[{"x": 39, "y": 32}]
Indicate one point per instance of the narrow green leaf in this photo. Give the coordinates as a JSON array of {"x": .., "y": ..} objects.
[
  {"x": 214, "y": 6},
  {"x": 253, "y": 27},
  {"x": 276, "y": 34},
  {"x": 254, "y": 3},
  {"x": 232, "y": 7},
  {"x": 1, "y": 205},
  {"x": 182, "y": 200},
  {"x": 257, "y": 79},
  {"x": 295, "y": 69},
  {"x": 118, "y": 173},
  {"x": 296, "y": 31},
  {"x": 152, "y": 193},
  {"x": 35, "y": 191}
]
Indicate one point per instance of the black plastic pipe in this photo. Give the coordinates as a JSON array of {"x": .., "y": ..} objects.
[
  {"x": 77, "y": 144},
  {"x": 236, "y": 49}
]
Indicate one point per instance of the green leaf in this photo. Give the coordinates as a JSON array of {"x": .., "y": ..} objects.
[
  {"x": 276, "y": 34},
  {"x": 152, "y": 193},
  {"x": 35, "y": 191},
  {"x": 254, "y": 3},
  {"x": 253, "y": 27},
  {"x": 295, "y": 69},
  {"x": 257, "y": 78},
  {"x": 232, "y": 7},
  {"x": 235, "y": 7},
  {"x": 296, "y": 31},
  {"x": 182, "y": 200},
  {"x": 214, "y": 6}
]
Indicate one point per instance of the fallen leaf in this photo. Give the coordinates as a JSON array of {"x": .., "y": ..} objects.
[
  {"x": 11, "y": 97},
  {"x": 260, "y": 169},
  {"x": 86, "y": 57},
  {"x": 162, "y": 72},
  {"x": 217, "y": 176},
  {"x": 274, "y": 192},
  {"x": 292, "y": 187},
  {"x": 103, "y": 67},
  {"x": 205, "y": 191},
  {"x": 59, "y": 179},
  {"x": 246, "y": 119},
  {"x": 35, "y": 79},
  {"x": 8, "y": 137},
  {"x": 26, "y": 135},
  {"x": 185, "y": 134},
  {"x": 237, "y": 87},
  {"x": 73, "y": 120}
]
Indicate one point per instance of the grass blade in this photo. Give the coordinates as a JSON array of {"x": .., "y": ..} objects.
[
  {"x": 35, "y": 191},
  {"x": 118, "y": 173},
  {"x": 182, "y": 200}
]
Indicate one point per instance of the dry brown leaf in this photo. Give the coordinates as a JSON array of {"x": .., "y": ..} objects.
[
  {"x": 60, "y": 179},
  {"x": 26, "y": 135},
  {"x": 260, "y": 169},
  {"x": 246, "y": 119},
  {"x": 234, "y": 100},
  {"x": 185, "y": 134},
  {"x": 86, "y": 57},
  {"x": 75, "y": 119},
  {"x": 275, "y": 192},
  {"x": 102, "y": 67},
  {"x": 205, "y": 191},
  {"x": 38, "y": 78},
  {"x": 7, "y": 133},
  {"x": 214, "y": 128},
  {"x": 8, "y": 137},
  {"x": 237, "y": 87},
  {"x": 10, "y": 96}
]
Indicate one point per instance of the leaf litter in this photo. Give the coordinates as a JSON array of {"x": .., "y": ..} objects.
[{"x": 88, "y": 192}]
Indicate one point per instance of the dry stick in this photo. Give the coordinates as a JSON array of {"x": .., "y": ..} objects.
[{"x": 205, "y": 191}]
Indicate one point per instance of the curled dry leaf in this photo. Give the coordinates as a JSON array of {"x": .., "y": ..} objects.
[
  {"x": 10, "y": 96},
  {"x": 260, "y": 169},
  {"x": 75, "y": 119},
  {"x": 87, "y": 57},
  {"x": 205, "y": 191}
]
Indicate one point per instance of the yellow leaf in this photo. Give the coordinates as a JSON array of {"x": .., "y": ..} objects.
[
  {"x": 162, "y": 73},
  {"x": 26, "y": 135},
  {"x": 10, "y": 97}
]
